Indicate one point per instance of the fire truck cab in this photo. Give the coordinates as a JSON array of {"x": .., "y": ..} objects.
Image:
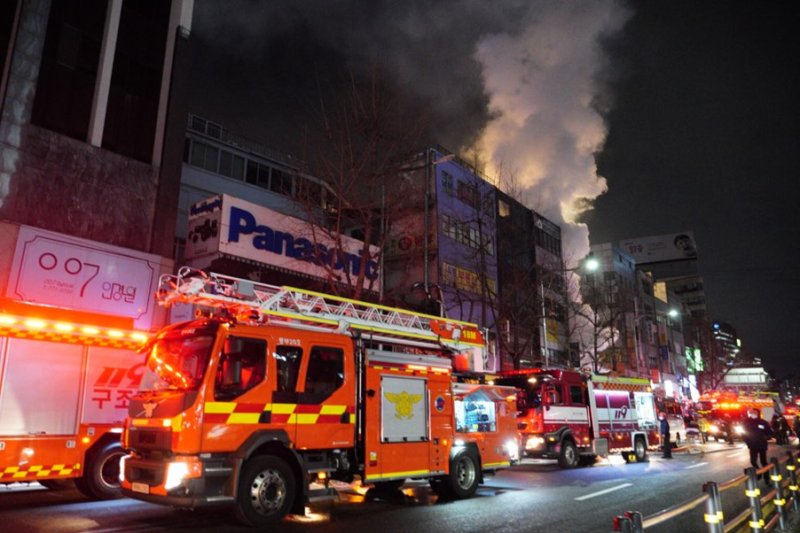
[
  {"x": 574, "y": 417},
  {"x": 285, "y": 388}
]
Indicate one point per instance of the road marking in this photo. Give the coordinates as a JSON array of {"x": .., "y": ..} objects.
[
  {"x": 695, "y": 466},
  {"x": 601, "y": 492}
]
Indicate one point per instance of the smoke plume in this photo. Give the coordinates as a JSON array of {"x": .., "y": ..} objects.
[{"x": 514, "y": 79}]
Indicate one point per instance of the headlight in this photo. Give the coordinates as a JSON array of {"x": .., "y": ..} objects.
[
  {"x": 713, "y": 428},
  {"x": 122, "y": 467},
  {"x": 178, "y": 471},
  {"x": 534, "y": 442},
  {"x": 512, "y": 448},
  {"x": 739, "y": 430}
]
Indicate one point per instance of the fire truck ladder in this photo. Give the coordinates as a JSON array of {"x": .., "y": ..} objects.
[{"x": 255, "y": 302}]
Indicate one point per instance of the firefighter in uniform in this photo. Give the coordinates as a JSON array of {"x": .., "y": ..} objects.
[
  {"x": 756, "y": 433},
  {"x": 665, "y": 443}
]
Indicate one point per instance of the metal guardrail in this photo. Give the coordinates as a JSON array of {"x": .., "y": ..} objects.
[{"x": 763, "y": 512}]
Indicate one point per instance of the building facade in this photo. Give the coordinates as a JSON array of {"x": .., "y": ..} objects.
[{"x": 90, "y": 150}]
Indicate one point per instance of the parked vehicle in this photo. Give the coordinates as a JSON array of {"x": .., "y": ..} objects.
[
  {"x": 575, "y": 417},
  {"x": 65, "y": 382},
  {"x": 281, "y": 390},
  {"x": 674, "y": 413}
]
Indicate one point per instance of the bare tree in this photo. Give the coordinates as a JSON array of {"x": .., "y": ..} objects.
[{"x": 363, "y": 159}]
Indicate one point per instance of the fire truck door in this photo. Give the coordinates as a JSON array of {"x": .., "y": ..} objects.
[
  {"x": 325, "y": 411},
  {"x": 241, "y": 393},
  {"x": 404, "y": 427}
]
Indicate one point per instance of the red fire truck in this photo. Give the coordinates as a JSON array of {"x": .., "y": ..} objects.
[
  {"x": 65, "y": 381},
  {"x": 575, "y": 417},
  {"x": 280, "y": 389}
]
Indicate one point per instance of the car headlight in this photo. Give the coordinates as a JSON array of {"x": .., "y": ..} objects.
[
  {"x": 713, "y": 428},
  {"x": 739, "y": 430},
  {"x": 534, "y": 442}
]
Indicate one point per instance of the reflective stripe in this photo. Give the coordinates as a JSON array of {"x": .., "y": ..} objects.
[
  {"x": 752, "y": 493},
  {"x": 409, "y": 473},
  {"x": 220, "y": 407},
  {"x": 711, "y": 519},
  {"x": 776, "y": 477},
  {"x": 39, "y": 471},
  {"x": 243, "y": 418},
  {"x": 780, "y": 502}
]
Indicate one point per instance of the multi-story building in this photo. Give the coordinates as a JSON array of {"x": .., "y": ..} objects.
[
  {"x": 91, "y": 132},
  {"x": 634, "y": 326},
  {"x": 532, "y": 297},
  {"x": 445, "y": 251},
  {"x": 726, "y": 336}
]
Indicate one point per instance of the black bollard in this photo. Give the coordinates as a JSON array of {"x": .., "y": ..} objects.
[
  {"x": 780, "y": 501},
  {"x": 753, "y": 494}
]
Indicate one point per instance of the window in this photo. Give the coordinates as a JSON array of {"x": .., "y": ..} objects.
[
  {"x": 242, "y": 366},
  {"x": 325, "y": 372},
  {"x": 576, "y": 395},
  {"x": 68, "y": 68},
  {"x": 198, "y": 154},
  {"x": 252, "y": 172},
  {"x": 288, "y": 359},
  {"x": 468, "y": 194},
  {"x": 263, "y": 176},
  {"x": 237, "y": 170},
  {"x": 503, "y": 209},
  {"x": 447, "y": 183},
  {"x": 225, "y": 163},
  {"x": 281, "y": 182},
  {"x": 212, "y": 154}
]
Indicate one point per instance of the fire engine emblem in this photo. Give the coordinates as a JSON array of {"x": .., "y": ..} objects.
[
  {"x": 439, "y": 403},
  {"x": 149, "y": 407},
  {"x": 403, "y": 403}
]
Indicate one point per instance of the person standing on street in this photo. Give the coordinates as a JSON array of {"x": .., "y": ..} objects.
[
  {"x": 796, "y": 427},
  {"x": 665, "y": 443},
  {"x": 756, "y": 433}
]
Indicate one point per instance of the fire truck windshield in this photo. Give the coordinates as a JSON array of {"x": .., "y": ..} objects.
[
  {"x": 177, "y": 362},
  {"x": 529, "y": 394}
]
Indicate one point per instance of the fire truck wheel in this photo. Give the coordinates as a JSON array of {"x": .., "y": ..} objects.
[
  {"x": 266, "y": 491},
  {"x": 640, "y": 450},
  {"x": 569, "y": 455},
  {"x": 463, "y": 479},
  {"x": 100, "y": 480}
]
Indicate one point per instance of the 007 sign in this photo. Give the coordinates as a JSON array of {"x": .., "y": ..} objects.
[
  {"x": 72, "y": 267},
  {"x": 70, "y": 274}
]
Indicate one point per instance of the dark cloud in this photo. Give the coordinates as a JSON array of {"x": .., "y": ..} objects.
[{"x": 703, "y": 134}]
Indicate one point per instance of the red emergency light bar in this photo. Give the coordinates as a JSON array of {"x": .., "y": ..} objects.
[{"x": 22, "y": 320}]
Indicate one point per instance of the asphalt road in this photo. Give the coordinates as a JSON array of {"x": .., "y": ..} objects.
[{"x": 533, "y": 496}]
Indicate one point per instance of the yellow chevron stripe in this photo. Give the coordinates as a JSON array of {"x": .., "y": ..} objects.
[
  {"x": 283, "y": 408},
  {"x": 220, "y": 407},
  {"x": 307, "y": 418},
  {"x": 332, "y": 409},
  {"x": 243, "y": 418}
]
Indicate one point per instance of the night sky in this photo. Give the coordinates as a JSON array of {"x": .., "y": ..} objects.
[{"x": 665, "y": 116}]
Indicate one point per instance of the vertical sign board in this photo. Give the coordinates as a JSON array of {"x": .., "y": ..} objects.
[{"x": 54, "y": 269}]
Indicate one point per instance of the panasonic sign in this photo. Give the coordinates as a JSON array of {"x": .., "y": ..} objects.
[{"x": 263, "y": 235}]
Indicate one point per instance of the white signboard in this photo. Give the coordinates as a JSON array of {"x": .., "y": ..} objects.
[
  {"x": 671, "y": 247},
  {"x": 404, "y": 409},
  {"x": 228, "y": 225},
  {"x": 54, "y": 269}
]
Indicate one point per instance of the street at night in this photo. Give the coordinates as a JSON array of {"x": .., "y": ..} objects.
[
  {"x": 428, "y": 265},
  {"x": 533, "y": 496}
]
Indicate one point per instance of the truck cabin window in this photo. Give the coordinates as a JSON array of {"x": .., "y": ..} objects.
[
  {"x": 288, "y": 360},
  {"x": 325, "y": 373},
  {"x": 242, "y": 366}
]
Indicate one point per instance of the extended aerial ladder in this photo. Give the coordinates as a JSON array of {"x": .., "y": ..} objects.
[{"x": 260, "y": 303}]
